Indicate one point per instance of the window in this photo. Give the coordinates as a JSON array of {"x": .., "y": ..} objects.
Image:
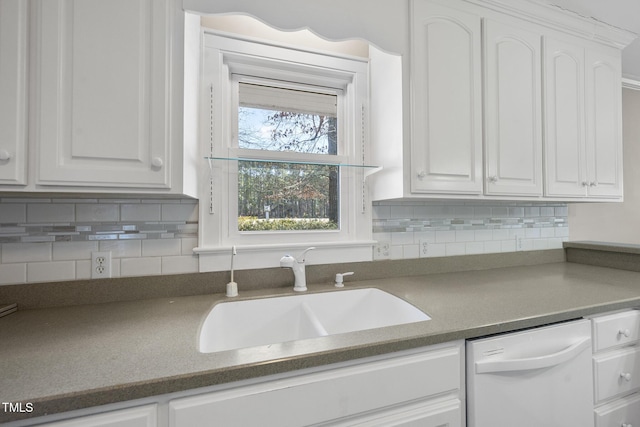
[
  {"x": 291, "y": 192},
  {"x": 286, "y": 131}
]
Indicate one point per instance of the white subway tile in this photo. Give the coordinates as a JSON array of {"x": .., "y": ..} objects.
[
  {"x": 483, "y": 235},
  {"x": 555, "y": 243},
  {"x": 465, "y": 236},
  {"x": 68, "y": 251},
  {"x": 463, "y": 212},
  {"x": 474, "y": 248},
  {"x": 491, "y": 247},
  {"x": 482, "y": 212},
  {"x": 561, "y": 211},
  {"x": 516, "y": 212},
  {"x": 381, "y": 212},
  {"x": 411, "y": 251},
  {"x": 547, "y": 232},
  {"x": 455, "y": 249},
  {"x": 50, "y": 212},
  {"x": 540, "y": 244},
  {"x": 179, "y": 264},
  {"x": 187, "y": 245},
  {"x": 140, "y": 212},
  {"x": 401, "y": 212},
  {"x": 500, "y": 234},
  {"x": 508, "y": 245},
  {"x": 12, "y": 274},
  {"x": 445, "y": 236},
  {"x": 532, "y": 212},
  {"x": 547, "y": 211},
  {"x": 437, "y": 250},
  {"x": 562, "y": 231},
  {"x": 13, "y": 213},
  {"x": 424, "y": 236},
  {"x": 51, "y": 271},
  {"x": 396, "y": 252},
  {"x": 402, "y": 238},
  {"x": 140, "y": 266},
  {"x": 532, "y": 233},
  {"x": 25, "y": 252},
  {"x": 513, "y": 232},
  {"x": 122, "y": 248},
  {"x": 179, "y": 212},
  {"x": 83, "y": 269},
  {"x": 161, "y": 247},
  {"x": 102, "y": 212}
]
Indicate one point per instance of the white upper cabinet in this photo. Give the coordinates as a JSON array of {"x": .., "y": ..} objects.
[
  {"x": 513, "y": 109},
  {"x": 603, "y": 106},
  {"x": 13, "y": 91},
  {"x": 583, "y": 120},
  {"x": 102, "y": 105},
  {"x": 446, "y": 98}
]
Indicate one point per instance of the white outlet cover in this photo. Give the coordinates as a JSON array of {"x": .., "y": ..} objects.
[{"x": 100, "y": 265}]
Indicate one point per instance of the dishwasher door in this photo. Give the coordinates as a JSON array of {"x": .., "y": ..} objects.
[{"x": 540, "y": 377}]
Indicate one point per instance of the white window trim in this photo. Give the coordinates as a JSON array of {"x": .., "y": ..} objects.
[{"x": 225, "y": 55}]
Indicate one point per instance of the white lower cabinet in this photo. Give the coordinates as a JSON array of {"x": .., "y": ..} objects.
[
  {"x": 142, "y": 416},
  {"x": 616, "y": 365},
  {"x": 414, "y": 388}
]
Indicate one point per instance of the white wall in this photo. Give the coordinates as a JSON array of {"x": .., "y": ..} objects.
[{"x": 616, "y": 222}]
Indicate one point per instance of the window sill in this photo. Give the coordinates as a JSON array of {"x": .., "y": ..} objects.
[{"x": 268, "y": 255}]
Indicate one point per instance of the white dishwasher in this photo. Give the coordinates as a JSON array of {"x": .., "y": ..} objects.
[{"x": 539, "y": 377}]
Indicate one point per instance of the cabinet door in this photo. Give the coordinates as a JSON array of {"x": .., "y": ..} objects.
[
  {"x": 603, "y": 105},
  {"x": 103, "y": 104},
  {"x": 143, "y": 416},
  {"x": 513, "y": 124},
  {"x": 564, "y": 119},
  {"x": 13, "y": 99},
  {"x": 446, "y": 140}
]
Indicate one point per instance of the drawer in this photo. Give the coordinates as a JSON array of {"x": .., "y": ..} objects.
[
  {"x": 616, "y": 373},
  {"x": 616, "y": 329},
  {"x": 620, "y": 413}
]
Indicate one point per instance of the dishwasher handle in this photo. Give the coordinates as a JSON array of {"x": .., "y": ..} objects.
[{"x": 546, "y": 361}]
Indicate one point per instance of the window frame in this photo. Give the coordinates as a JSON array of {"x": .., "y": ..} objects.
[{"x": 228, "y": 59}]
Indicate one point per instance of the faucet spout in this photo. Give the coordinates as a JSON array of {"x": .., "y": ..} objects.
[{"x": 298, "y": 267}]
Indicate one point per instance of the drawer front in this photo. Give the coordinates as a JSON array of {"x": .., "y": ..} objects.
[
  {"x": 330, "y": 395},
  {"x": 616, "y": 373},
  {"x": 621, "y": 413},
  {"x": 616, "y": 329}
]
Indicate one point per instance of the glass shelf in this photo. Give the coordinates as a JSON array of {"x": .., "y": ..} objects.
[{"x": 368, "y": 169}]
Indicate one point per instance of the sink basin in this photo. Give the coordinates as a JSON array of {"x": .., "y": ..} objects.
[{"x": 249, "y": 323}]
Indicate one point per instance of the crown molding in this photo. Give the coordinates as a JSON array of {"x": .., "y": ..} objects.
[{"x": 631, "y": 84}]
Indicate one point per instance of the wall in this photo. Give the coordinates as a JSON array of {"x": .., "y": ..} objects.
[
  {"x": 44, "y": 239},
  {"x": 444, "y": 228},
  {"x": 616, "y": 222},
  {"x": 48, "y": 240}
]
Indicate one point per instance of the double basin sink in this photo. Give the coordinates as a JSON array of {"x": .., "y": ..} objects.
[{"x": 249, "y": 323}]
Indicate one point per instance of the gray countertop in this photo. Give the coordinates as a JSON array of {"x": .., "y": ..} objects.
[{"x": 67, "y": 358}]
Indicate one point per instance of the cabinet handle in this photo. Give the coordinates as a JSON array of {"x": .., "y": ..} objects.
[
  {"x": 624, "y": 332},
  {"x": 593, "y": 184},
  {"x": 626, "y": 425},
  {"x": 157, "y": 162},
  {"x": 626, "y": 376},
  {"x": 4, "y": 155}
]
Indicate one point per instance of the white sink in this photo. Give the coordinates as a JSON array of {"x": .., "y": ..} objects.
[{"x": 249, "y": 323}]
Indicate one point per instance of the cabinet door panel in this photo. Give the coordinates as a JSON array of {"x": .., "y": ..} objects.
[
  {"x": 564, "y": 114},
  {"x": 513, "y": 110},
  {"x": 13, "y": 99},
  {"x": 604, "y": 123},
  {"x": 446, "y": 140},
  {"x": 102, "y": 68}
]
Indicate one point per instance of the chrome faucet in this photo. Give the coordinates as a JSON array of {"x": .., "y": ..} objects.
[{"x": 300, "y": 279}]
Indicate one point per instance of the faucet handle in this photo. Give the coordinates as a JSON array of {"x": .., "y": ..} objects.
[
  {"x": 340, "y": 279},
  {"x": 304, "y": 253}
]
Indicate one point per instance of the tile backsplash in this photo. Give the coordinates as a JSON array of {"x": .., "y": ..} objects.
[
  {"x": 45, "y": 239},
  {"x": 51, "y": 239},
  {"x": 444, "y": 228}
]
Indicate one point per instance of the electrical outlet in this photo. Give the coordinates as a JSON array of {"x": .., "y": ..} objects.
[
  {"x": 100, "y": 265},
  {"x": 382, "y": 250},
  {"x": 424, "y": 248},
  {"x": 518, "y": 243}
]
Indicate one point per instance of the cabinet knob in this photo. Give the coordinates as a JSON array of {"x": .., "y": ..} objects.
[
  {"x": 4, "y": 155},
  {"x": 626, "y": 376},
  {"x": 157, "y": 162},
  {"x": 626, "y": 425},
  {"x": 493, "y": 179},
  {"x": 422, "y": 174},
  {"x": 624, "y": 332},
  {"x": 585, "y": 184},
  {"x": 593, "y": 184}
]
